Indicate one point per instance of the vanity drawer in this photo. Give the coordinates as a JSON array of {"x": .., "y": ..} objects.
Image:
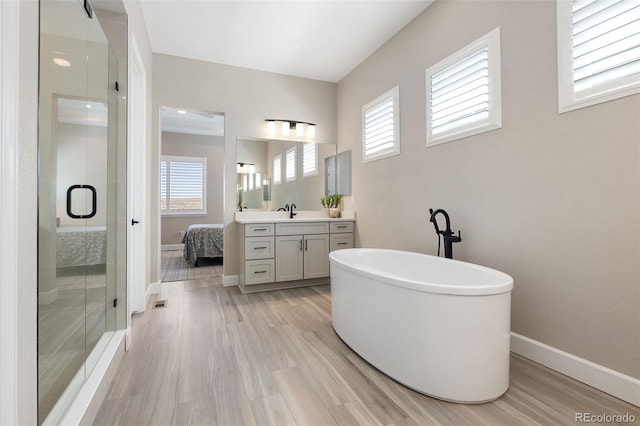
[
  {"x": 259, "y": 271},
  {"x": 302, "y": 228},
  {"x": 340, "y": 227},
  {"x": 258, "y": 229},
  {"x": 340, "y": 241},
  {"x": 258, "y": 248}
]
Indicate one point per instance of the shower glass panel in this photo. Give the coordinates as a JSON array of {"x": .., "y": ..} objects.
[{"x": 78, "y": 245}]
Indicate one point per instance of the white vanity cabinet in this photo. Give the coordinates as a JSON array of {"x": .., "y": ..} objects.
[{"x": 286, "y": 254}]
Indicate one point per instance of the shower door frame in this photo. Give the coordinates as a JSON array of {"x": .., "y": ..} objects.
[{"x": 9, "y": 366}]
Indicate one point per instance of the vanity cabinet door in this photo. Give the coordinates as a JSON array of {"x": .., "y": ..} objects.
[
  {"x": 289, "y": 258},
  {"x": 316, "y": 256}
]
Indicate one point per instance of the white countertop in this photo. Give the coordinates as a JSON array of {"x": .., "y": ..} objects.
[{"x": 301, "y": 216}]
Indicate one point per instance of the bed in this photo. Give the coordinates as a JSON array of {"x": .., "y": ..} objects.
[
  {"x": 80, "y": 246},
  {"x": 203, "y": 240}
]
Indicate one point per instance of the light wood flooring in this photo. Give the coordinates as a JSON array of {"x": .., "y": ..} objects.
[{"x": 215, "y": 356}]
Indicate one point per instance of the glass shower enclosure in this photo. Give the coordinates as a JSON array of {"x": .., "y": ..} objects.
[{"x": 81, "y": 205}]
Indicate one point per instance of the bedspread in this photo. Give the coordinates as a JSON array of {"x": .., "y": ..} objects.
[
  {"x": 77, "y": 246},
  {"x": 203, "y": 240}
]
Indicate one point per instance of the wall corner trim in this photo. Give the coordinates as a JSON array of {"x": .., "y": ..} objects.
[
  {"x": 605, "y": 379},
  {"x": 229, "y": 280},
  {"x": 9, "y": 123}
]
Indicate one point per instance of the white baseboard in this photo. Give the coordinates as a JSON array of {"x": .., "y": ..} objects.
[
  {"x": 229, "y": 280},
  {"x": 154, "y": 288},
  {"x": 47, "y": 297},
  {"x": 172, "y": 247},
  {"x": 605, "y": 379}
]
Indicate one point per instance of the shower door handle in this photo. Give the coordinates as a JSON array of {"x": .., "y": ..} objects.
[
  {"x": 133, "y": 222},
  {"x": 94, "y": 202}
]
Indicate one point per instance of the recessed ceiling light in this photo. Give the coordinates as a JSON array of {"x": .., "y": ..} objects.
[
  {"x": 61, "y": 62},
  {"x": 180, "y": 111}
]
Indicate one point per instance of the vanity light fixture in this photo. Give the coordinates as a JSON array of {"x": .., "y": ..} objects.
[
  {"x": 245, "y": 168},
  {"x": 303, "y": 128}
]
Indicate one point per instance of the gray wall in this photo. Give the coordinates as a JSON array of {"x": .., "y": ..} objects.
[
  {"x": 211, "y": 148},
  {"x": 552, "y": 199},
  {"x": 246, "y": 97}
]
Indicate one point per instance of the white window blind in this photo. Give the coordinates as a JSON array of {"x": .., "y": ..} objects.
[
  {"x": 182, "y": 185},
  {"x": 463, "y": 92},
  {"x": 277, "y": 169},
  {"x": 380, "y": 126},
  {"x": 309, "y": 159},
  {"x": 598, "y": 51},
  {"x": 290, "y": 165}
]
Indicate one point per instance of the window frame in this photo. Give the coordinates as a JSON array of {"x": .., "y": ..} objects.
[
  {"x": 568, "y": 100},
  {"x": 176, "y": 158},
  {"x": 279, "y": 174},
  {"x": 491, "y": 41},
  {"x": 288, "y": 179},
  {"x": 314, "y": 172},
  {"x": 394, "y": 94}
]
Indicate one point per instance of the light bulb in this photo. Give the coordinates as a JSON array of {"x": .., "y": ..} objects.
[
  {"x": 286, "y": 127},
  {"x": 61, "y": 62},
  {"x": 299, "y": 129},
  {"x": 271, "y": 127},
  {"x": 311, "y": 130}
]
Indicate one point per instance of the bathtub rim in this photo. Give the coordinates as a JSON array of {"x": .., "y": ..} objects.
[{"x": 504, "y": 281}]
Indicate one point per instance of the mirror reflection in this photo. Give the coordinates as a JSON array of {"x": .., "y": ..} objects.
[{"x": 274, "y": 173}]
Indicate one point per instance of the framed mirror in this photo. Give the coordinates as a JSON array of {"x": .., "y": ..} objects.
[
  {"x": 343, "y": 175},
  {"x": 272, "y": 173}
]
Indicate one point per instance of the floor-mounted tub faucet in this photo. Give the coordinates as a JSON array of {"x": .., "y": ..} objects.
[{"x": 447, "y": 234}]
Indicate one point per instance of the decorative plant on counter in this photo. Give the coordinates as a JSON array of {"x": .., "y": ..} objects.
[{"x": 332, "y": 202}]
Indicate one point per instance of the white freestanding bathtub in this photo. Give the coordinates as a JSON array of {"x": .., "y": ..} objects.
[{"x": 438, "y": 326}]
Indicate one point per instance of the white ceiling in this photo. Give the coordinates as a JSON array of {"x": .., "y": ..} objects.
[{"x": 317, "y": 39}]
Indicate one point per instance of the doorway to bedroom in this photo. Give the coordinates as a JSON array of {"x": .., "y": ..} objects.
[{"x": 191, "y": 194}]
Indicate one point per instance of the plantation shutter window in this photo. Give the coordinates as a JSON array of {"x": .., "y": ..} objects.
[
  {"x": 463, "y": 92},
  {"x": 309, "y": 159},
  {"x": 598, "y": 51},
  {"x": 277, "y": 169},
  {"x": 290, "y": 165},
  {"x": 380, "y": 126},
  {"x": 182, "y": 185}
]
